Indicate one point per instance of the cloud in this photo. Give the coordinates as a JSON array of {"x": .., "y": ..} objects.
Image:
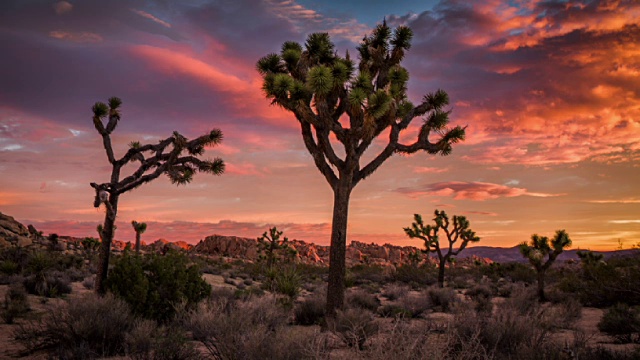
[
  {"x": 624, "y": 221},
  {"x": 429, "y": 170},
  {"x": 146, "y": 15},
  {"x": 539, "y": 83},
  {"x": 476, "y": 191},
  {"x": 62, "y": 7},
  {"x": 615, "y": 201},
  {"x": 81, "y": 37}
]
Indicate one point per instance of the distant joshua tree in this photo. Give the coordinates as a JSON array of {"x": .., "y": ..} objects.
[
  {"x": 270, "y": 247},
  {"x": 139, "y": 228},
  {"x": 340, "y": 104},
  {"x": 431, "y": 236},
  {"x": 166, "y": 157},
  {"x": 538, "y": 249}
]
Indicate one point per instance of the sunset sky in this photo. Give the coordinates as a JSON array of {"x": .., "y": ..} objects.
[{"x": 549, "y": 90}]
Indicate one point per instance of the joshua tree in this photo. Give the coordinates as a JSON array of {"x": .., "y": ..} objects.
[
  {"x": 139, "y": 228},
  {"x": 430, "y": 235},
  {"x": 336, "y": 103},
  {"x": 589, "y": 258},
  {"x": 538, "y": 249},
  {"x": 166, "y": 157},
  {"x": 269, "y": 245}
]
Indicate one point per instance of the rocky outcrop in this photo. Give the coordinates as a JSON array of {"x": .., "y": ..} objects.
[
  {"x": 13, "y": 233},
  {"x": 234, "y": 247}
]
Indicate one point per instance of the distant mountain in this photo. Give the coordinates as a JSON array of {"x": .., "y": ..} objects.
[{"x": 512, "y": 254}]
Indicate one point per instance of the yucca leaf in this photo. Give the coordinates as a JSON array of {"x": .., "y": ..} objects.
[
  {"x": 320, "y": 79},
  {"x": 100, "y": 109},
  {"x": 269, "y": 64}
]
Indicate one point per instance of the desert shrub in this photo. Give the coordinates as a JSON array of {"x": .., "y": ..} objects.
[
  {"x": 170, "y": 344},
  {"x": 253, "y": 329},
  {"x": 393, "y": 310},
  {"x": 359, "y": 298},
  {"x": 89, "y": 282},
  {"x": 513, "y": 271},
  {"x": 15, "y": 303},
  {"x": 416, "y": 276},
  {"x": 311, "y": 310},
  {"x": 395, "y": 291},
  {"x": 353, "y": 326},
  {"x": 139, "y": 342},
  {"x": 414, "y": 305},
  {"x": 568, "y": 312},
  {"x": 85, "y": 328},
  {"x": 49, "y": 284},
  {"x": 402, "y": 341},
  {"x": 9, "y": 267},
  {"x": 443, "y": 298},
  {"x": 523, "y": 300},
  {"x": 501, "y": 336},
  {"x": 481, "y": 295},
  {"x": 622, "y": 322},
  {"x": 285, "y": 280},
  {"x": 363, "y": 274},
  {"x": 152, "y": 286},
  {"x": 13, "y": 255},
  {"x": 605, "y": 284}
]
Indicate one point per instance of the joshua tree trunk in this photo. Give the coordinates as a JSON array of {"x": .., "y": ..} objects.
[
  {"x": 441, "y": 272},
  {"x": 541, "y": 296},
  {"x": 108, "y": 231},
  {"x": 137, "y": 242},
  {"x": 337, "y": 251}
]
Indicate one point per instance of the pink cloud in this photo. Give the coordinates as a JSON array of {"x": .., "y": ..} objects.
[{"x": 476, "y": 191}]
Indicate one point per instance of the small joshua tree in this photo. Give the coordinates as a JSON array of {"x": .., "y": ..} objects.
[
  {"x": 589, "y": 258},
  {"x": 538, "y": 249},
  {"x": 166, "y": 157},
  {"x": 430, "y": 235},
  {"x": 270, "y": 247},
  {"x": 139, "y": 228}
]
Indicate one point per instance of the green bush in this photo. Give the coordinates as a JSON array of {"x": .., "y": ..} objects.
[
  {"x": 285, "y": 280},
  {"x": 9, "y": 267},
  {"x": 622, "y": 322},
  {"x": 423, "y": 275},
  {"x": 154, "y": 285}
]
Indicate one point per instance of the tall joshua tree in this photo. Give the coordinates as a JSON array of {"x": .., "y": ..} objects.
[
  {"x": 139, "y": 228},
  {"x": 332, "y": 100},
  {"x": 538, "y": 249},
  {"x": 175, "y": 156},
  {"x": 456, "y": 230}
]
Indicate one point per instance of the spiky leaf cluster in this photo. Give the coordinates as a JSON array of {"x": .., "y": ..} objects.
[{"x": 541, "y": 252}]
